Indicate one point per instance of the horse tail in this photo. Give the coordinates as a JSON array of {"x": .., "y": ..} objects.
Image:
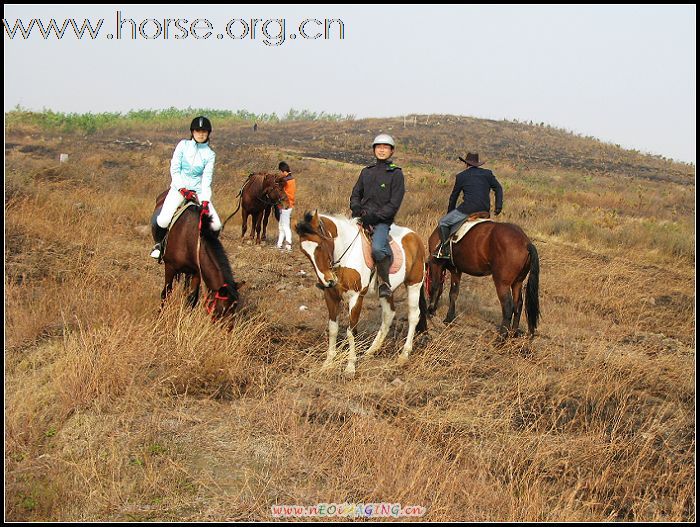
[
  {"x": 532, "y": 293},
  {"x": 423, "y": 306},
  {"x": 240, "y": 197}
]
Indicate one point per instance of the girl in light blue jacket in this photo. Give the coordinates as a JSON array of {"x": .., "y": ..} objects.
[{"x": 192, "y": 171}]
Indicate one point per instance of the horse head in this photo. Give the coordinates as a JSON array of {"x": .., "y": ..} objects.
[
  {"x": 273, "y": 189},
  {"x": 223, "y": 298},
  {"x": 318, "y": 245},
  {"x": 224, "y": 301}
]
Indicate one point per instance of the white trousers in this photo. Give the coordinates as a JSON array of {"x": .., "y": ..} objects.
[
  {"x": 170, "y": 205},
  {"x": 285, "y": 229}
]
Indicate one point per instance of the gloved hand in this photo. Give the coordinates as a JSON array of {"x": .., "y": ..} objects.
[
  {"x": 369, "y": 218},
  {"x": 189, "y": 195},
  {"x": 205, "y": 208},
  {"x": 497, "y": 212}
]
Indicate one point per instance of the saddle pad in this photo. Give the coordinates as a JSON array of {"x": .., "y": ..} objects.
[
  {"x": 182, "y": 208},
  {"x": 397, "y": 252},
  {"x": 464, "y": 229}
]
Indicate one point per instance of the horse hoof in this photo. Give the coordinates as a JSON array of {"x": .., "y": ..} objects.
[
  {"x": 327, "y": 365},
  {"x": 403, "y": 359},
  {"x": 349, "y": 373}
]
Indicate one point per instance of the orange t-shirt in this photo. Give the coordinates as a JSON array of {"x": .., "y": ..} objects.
[{"x": 290, "y": 188}]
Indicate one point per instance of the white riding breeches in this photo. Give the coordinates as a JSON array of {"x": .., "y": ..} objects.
[{"x": 170, "y": 205}]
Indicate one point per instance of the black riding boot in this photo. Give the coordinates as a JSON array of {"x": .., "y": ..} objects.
[
  {"x": 444, "y": 247},
  {"x": 383, "y": 276},
  {"x": 158, "y": 235}
]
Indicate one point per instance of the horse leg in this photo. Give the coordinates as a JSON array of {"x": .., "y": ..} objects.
[
  {"x": 169, "y": 277},
  {"x": 414, "y": 293},
  {"x": 257, "y": 218},
  {"x": 333, "y": 305},
  {"x": 437, "y": 275},
  {"x": 354, "y": 308},
  {"x": 518, "y": 309},
  {"x": 266, "y": 217},
  {"x": 193, "y": 297},
  {"x": 455, "y": 278},
  {"x": 387, "y": 318},
  {"x": 244, "y": 222},
  {"x": 507, "y": 307}
]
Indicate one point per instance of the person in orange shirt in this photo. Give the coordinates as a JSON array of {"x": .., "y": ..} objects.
[{"x": 285, "y": 219}]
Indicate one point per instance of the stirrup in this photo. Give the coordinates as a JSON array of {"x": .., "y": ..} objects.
[
  {"x": 442, "y": 254},
  {"x": 384, "y": 290}
]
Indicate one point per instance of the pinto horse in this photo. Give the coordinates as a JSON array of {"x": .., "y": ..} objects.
[
  {"x": 194, "y": 250},
  {"x": 502, "y": 250},
  {"x": 259, "y": 194},
  {"x": 334, "y": 246}
]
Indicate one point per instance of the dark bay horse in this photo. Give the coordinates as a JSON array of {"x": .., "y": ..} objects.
[
  {"x": 198, "y": 254},
  {"x": 502, "y": 250},
  {"x": 259, "y": 194}
]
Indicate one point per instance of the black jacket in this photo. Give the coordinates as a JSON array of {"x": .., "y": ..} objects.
[
  {"x": 379, "y": 191},
  {"x": 476, "y": 184}
]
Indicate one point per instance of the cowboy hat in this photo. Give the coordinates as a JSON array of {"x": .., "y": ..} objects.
[{"x": 472, "y": 160}]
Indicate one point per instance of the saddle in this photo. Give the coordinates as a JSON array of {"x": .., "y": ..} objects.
[
  {"x": 461, "y": 229},
  {"x": 180, "y": 210},
  {"x": 397, "y": 252}
]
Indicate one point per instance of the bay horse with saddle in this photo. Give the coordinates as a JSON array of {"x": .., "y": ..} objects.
[
  {"x": 260, "y": 193},
  {"x": 340, "y": 253},
  {"x": 482, "y": 247},
  {"x": 192, "y": 249}
]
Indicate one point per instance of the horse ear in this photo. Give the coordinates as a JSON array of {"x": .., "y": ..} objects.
[{"x": 314, "y": 220}]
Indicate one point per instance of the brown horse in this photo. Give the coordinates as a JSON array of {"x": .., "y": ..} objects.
[
  {"x": 198, "y": 254},
  {"x": 333, "y": 244},
  {"x": 502, "y": 250},
  {"x": 259, "y": 194}
]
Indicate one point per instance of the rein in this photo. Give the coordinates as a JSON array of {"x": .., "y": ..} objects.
[
  {"x": 240, "y": 199},
  {"x": 335, "y": 263}
]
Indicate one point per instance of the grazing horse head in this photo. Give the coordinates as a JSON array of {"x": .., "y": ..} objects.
[
  {"x": 194, "y": 250},
  {"x": 333, "y": 244},
  {"x": 223, "y": 297},
  {"x": 259, "y": 194}
]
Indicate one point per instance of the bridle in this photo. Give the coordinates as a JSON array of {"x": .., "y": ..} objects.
[{"x": 334, "y": 263}]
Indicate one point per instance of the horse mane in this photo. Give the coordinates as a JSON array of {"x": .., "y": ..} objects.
[
  {"x": 304, "y": 226},
  {"x": 218, "y": 250}
]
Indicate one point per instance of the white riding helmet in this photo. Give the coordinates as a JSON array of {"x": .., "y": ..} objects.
[{"x": 384, "y": 139}]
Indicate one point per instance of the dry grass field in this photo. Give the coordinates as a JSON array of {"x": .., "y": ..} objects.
[{"x": 115, "y": 411}]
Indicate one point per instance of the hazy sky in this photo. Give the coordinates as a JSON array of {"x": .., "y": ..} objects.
[{"x": 624, "y": 74}]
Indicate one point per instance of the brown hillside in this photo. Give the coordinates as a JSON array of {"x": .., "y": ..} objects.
[{"x": 115, "y": 411}]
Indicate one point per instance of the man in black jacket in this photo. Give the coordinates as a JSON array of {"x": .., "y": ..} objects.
[
  {"x": 476, "y": 184},
  {"x": 376, "y": 198}
]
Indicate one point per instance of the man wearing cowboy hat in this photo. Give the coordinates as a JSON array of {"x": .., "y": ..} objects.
[{"x": 476, "y": 184}]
